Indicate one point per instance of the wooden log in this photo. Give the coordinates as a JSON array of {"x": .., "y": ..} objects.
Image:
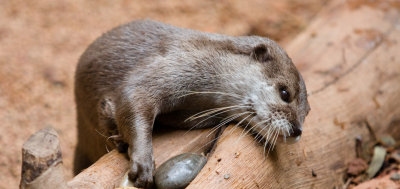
[
  {"x": 42, "y": 161},
  {"x": 108, "y": 171},
  {"x": 349, "y": 58},
  {"x": 42, "y": 167}
]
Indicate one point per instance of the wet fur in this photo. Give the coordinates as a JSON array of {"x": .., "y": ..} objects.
[{"x": 143, "y": 72}]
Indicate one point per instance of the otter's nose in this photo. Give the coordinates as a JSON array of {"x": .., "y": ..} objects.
[{"x": 296, "y": 130}]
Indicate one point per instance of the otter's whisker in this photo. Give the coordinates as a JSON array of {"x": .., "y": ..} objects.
[
  {"x": 240, "y": 136},
  {"x": 209, "y": 92},
  {"x": 237, "y": 125},
  {"x": 115, "y": 137},
  {"x": 218, "y": 112},
  {"x": 211, "y": 116},
  {"x": 269, "y": 128},
  {"x": 284, "y": 137},
  {"x": 255, "y": 139},
  {"x": 105, "y": 144},
  {"x": 267, "y": 138},
  {"x": 290, "y": 129},
  {"x": 265, "y": 146},
  {"x": 274, "y": 141},
  {"x": 270, "y": 142},
  {"x": 287, "y": 131},
  {"x": 101, "y": 134},
  {"x": 227, "y": 120},
  {"x": 228, "y": 133},
  {"x": 269, "y": 135},
  {"x": 262, "y": 122},
  {"x": 205, "y": 112},
  {"x": 211, "y": 111},
  {"x": 252, "y": 128},
  {"x": 259, "y": 136}
]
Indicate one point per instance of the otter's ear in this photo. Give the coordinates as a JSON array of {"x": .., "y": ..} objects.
[{"x": 261, "y": 53}]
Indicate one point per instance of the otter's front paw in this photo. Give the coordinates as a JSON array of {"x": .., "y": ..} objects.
[{"x": 142, "y": 171}]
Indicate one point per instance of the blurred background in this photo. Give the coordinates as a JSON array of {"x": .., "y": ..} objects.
[{"x": 41, "y": 41}]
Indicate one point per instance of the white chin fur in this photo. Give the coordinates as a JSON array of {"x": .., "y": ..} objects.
[{"x": 292, "y": 140}]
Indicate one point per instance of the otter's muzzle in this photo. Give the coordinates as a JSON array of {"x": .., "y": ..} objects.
[{"x": 295, "y": 133}]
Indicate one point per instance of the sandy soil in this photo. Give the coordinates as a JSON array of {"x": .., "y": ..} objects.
[{"x": 40, "y": 43}]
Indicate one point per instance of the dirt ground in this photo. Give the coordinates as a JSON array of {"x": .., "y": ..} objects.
[{"x": 41, "y": 41}]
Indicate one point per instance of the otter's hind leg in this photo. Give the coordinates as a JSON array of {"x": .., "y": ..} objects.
[
  {"x": 106, "y": 110},
  {"x": 96, "y": 137}
]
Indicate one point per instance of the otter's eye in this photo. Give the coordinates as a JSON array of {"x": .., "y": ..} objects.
[{"x": 285, "y": 96}]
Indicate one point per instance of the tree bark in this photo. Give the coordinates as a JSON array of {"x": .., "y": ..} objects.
[{"x": 42, "y": 161}]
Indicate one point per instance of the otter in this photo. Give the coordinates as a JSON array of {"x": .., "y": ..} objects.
[{"x": 146, "y": 73}]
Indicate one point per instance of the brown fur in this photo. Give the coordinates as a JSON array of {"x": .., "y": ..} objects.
[{"x": 138, "y": 74}]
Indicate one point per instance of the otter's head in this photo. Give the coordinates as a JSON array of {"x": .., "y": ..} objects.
[{"x": 274, "y": 93}]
